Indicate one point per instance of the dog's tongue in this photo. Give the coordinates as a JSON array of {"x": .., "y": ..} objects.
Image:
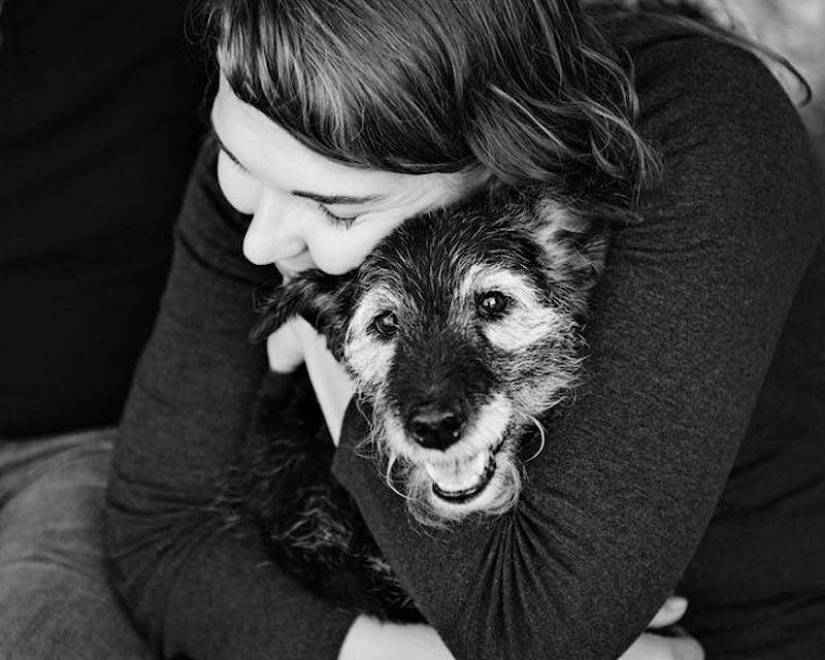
[{"x": 455, "y": 476}]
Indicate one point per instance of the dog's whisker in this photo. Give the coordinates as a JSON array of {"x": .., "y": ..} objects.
[
  {"x": 359, "y": 402},
  {"x": 543, "y": 435},
  {"x": 388, "y": 478}
]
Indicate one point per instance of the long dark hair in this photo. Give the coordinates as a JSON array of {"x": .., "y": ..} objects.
[{"x": 528, "y": 89}]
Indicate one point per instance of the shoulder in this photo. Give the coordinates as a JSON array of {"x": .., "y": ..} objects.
[
  {"x": 735, "y": 155},
  {"x": 697, "y": 88}
]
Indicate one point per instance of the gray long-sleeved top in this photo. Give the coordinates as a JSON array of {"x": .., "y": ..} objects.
[{"x": 693, "y": 459}]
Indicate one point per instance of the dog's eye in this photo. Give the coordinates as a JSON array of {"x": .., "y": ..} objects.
[
  {"x": 492, "y": 304},
  {"x": 386, "y": 324}
]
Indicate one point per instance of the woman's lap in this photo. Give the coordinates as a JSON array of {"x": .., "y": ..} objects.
[{"x": 55, "y": 599}]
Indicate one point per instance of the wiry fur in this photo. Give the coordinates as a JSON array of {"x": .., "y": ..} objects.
[{"x": 484, "y": 301}]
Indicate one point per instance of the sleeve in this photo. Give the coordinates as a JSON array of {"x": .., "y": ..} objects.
[
  {"x": 684, "y": 323},
  {"x": 200, "y": 590}
]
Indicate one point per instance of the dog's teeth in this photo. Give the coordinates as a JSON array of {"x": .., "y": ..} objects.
[{"x": 459, "y": 476}]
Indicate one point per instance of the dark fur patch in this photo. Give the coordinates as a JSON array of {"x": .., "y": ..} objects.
[{"x": 311, "y": 526}]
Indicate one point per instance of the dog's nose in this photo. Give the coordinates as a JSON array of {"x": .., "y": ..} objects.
[{"x": 434, "y": 427}]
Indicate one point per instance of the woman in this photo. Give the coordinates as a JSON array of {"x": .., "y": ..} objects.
[{"x": 675, "y": 470}]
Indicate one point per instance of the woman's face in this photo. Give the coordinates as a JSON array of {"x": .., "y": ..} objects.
[{"x": 308, "y": 211}]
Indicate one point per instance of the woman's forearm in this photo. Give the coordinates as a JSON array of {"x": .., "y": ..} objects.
[{"x": 198, "y": 587}]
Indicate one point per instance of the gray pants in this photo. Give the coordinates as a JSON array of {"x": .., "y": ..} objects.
[{"x": 55, "y": 599}]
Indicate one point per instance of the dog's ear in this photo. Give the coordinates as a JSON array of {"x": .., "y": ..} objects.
[
  {"x": 323, "y": 300},
  {"x": 575, "y": 243}
]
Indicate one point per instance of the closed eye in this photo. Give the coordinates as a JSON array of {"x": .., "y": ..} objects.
[
  {"x": 344, "y": 222},
  {"x": 235, "y": 162},
  {"x": 232, "y": 157}
]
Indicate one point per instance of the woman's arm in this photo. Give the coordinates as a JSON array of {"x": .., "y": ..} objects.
[
  {"x": 195, "y": 587},
  {"x": 685, "y": 319}
]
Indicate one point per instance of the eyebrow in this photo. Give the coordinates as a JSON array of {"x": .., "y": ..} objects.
[
  {"x": 335, "y": 199},
  {"x": 315, "y": 197}
]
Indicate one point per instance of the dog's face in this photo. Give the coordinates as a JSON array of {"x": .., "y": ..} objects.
[{"x": 460, "y": 329}]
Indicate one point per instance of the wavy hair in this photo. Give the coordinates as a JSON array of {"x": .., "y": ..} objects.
[{"x": 528, "y": 89}]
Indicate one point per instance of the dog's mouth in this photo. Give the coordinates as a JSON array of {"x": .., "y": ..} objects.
[{"x": 458, "y": 482}]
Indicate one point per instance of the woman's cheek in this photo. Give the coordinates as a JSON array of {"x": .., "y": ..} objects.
[
  {"x": 340, "y": 251},
  {"x": 239, "y": 188},
  {"x": 336, "y": 261}
]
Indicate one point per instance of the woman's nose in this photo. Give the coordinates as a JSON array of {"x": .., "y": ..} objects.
[{"x": 274, "y": 234}]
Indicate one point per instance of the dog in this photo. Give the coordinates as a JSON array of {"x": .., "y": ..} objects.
[{"x": 462, "y": 331}]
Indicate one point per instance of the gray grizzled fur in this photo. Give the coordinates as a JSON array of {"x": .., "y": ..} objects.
[{"x": 462, "y": 331}]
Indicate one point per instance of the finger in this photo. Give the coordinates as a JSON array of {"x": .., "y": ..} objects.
[
  {"x": 333, "y": 387},
  {"x": 655, "y": 647},
  {"x": 673, "y": 610},
  {"x": 284, "y": 349}
]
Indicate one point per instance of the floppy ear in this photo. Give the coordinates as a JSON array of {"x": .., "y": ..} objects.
[
  {"x": 323, "y": 300},
  {"x": 575, "y": 243}
]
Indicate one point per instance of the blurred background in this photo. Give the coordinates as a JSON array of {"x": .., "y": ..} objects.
[{"x": 796, "y": 29}]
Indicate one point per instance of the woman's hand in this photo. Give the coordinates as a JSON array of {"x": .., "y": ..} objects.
[
  {"x": 651, "y": 646},
  {"x": 297, "y": 342}
]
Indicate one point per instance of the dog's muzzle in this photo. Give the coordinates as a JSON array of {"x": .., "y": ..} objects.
[
  {"x": 439, "y": 427},
  {"x": 460, "y": 445}
]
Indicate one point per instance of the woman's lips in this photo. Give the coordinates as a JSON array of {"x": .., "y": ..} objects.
[{"x": 291, "y": 267}]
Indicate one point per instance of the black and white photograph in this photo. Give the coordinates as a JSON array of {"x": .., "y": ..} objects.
[{"x": 412, "y": 329}]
